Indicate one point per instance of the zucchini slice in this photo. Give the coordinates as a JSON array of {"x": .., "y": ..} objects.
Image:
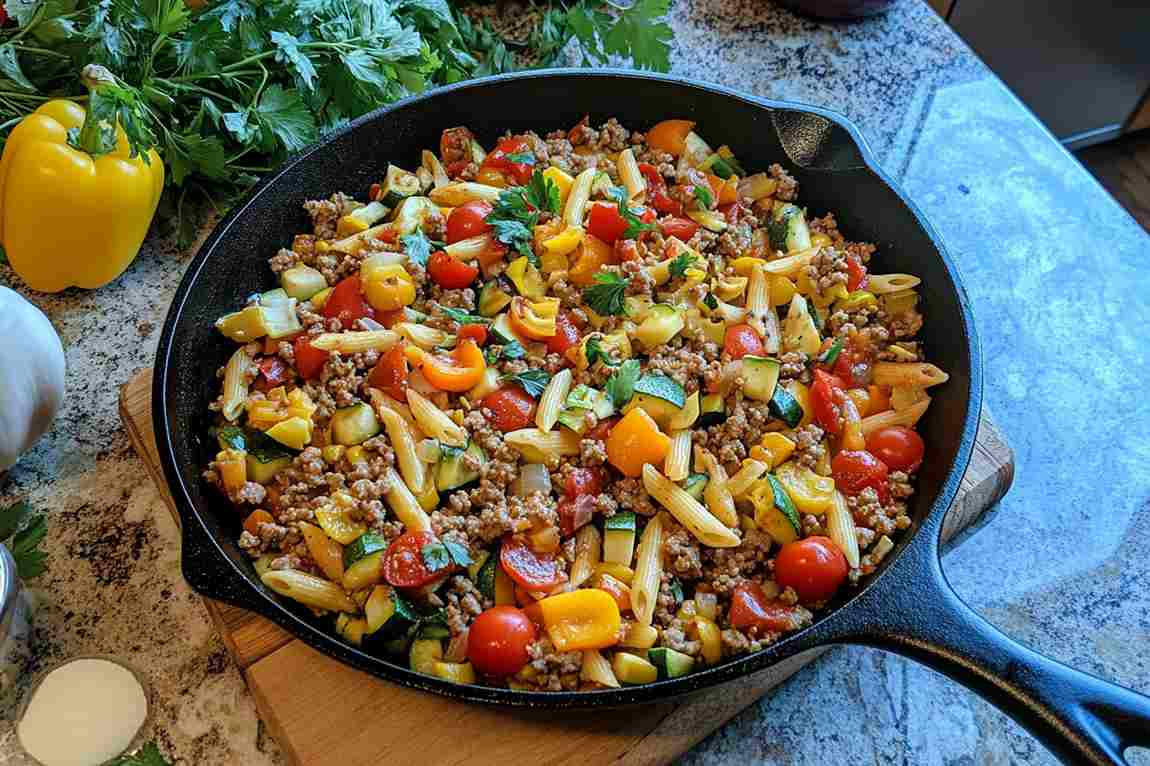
[
  {"x": 354, "y": 425},
  {"x": 485, "y": 578},
  {"x": 670, "y": 663},
  {"x": 787, "y": 230},
  {"x": 695, "y": 484},
  {"x": 712, "y": 410},
  {"x": 784, "y": 406},
  {"x": 493, "y": 298},
  {"x": 782, "y": 522},
  {"x": 662, "y": 387},
  {"x": 619, "y": 538},
  {"x": 760, "y": 375},
  {"x": 398, "y": 185},
  {"x": 452, "y": 471},
  {"x": 365, "y": 545}
]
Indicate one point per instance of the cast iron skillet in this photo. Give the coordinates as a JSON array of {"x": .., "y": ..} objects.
[{"x": 906, "y": 607}]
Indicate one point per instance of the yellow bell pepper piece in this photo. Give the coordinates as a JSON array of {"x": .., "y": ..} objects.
[
  {"x": 635, "y": 441},
  {"x": 564, "y": 242},
  {"x": 827, "y": 297},
  {"x": 857, "y": 300},
  {"x": 746, "y": 265},
  {"x": 782, "y": 290},
  {"x": 74, "y": 217},
  {"x": 300, "y": 404},
  {"x": 459, "y": 672},
  {"x": 526, "y": 278},
  {"x": 293, "y": 432},
  {"x": 730, "y": 288},
  {"x": 820, "y": 240},
  {"x": 582, "y": 619},
  {"x": 561, "y": 179},
  {"x": 387, "y": 287},
  {"x": 773, "y": 450},
  {"x": 707, "y": 633},
  {"x": 590, "y": 258},
  {"x": 332, "y": 453},
  {"x": 327, "y": 553},
  {"x": 338, "y": 525},
  {"x": 802, "y": 394},
  {"x": 321, "y": 297},
  {"x": 809, "y": 492},
  {"x": 233, "y": 468},
  {"x": 355, "y": 455},
  {"x": 264, "y": 413}
]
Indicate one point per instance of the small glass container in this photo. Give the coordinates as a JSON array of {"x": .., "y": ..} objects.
[{"x": 15, "y": 627}]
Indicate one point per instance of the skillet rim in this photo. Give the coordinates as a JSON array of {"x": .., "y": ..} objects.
[{"x": 828, "y": 628}]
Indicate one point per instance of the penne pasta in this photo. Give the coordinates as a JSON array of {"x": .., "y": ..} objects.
[
  {"x": 235, "y": 391},
  {"x": 426, "y": 338},
  {"x": 881, "y": 284},
  {"x": 687, "y": 510},
  {"x": 906, "y": 417},
  {"x": 355, "y": 341},
  {"x": 630, "y": 176},
  {"x": 902, "y": 397},
  {"x": 917, "y": 374},
  {"x": 717, "y": 495},
  {"x": 381, "y": 401},
  {"x": 648, "y": 571},
  {"x": 469, "y": 249},
  {"x": 552, "y": 399},
  {"x": 460, "y": 192},
  {"x": 750, "y": 472},
  {"x": 543, "y": 446},
  {"x": 432, "y": 164},
  {"x": 761, "y": 315},
  {"x": 412, "y": 469},
  {"x": 588, "y": 548},
  {"x": 840, "y": 527},
  {"x": 434, "y": 422},
  {"x": 791, "y": 265},
  {"x": 354, "y": 243},
  {"x": 596, "y": 669},
  {"x": 577, "y": 198},
  {"x": 677, "y": 465},
  {"x": 404, "y": 505},
  {"x": 309, "y": 590}
]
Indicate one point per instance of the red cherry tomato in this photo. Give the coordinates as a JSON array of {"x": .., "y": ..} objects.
[
  {"x": 603, "y": 429},
  {"x": 566, "y": 335},
  {"x": 855, "y": 470},
  {"x": 605, "y": 223},
  {"x": 741, "y": 340},
  {"x": 680, "y": 228},
  {"x": 511, "y": 408},
  {"x": 309, "y": 361},
  {"x": 657, "y": 195},
  {"x": 584, "y": 481},
  {"x": 346, "y": 302},
  {"x": 274, "y": 370},
  {"x": 468, "y": 220},
  {"x": 857, "y": 278},
  {"x": 826, "y": 397},
  {"x": 899, "y": 447},
  {"x": 532, "y": 570},
  {"x": 475, "y": 332},
  {"x": 450, "y": 273},
  {"x": 814, "y": 567},
  {"x": 503, "y": 158},
  {"x": 390, "y": 373},
  {"x": 403, "y": 563},
  {"x": 575, "y": 513},
  {"x": 497, "y": 641},
  {"x": 750, "y": 608},
  {"x": 455, "y": 149}
]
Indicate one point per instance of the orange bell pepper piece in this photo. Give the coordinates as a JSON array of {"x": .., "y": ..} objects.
[
  {"x": 460, "y": 372},
  {"x": 580, "y": 620},
  {"x": 635, "y": 441},
  {"x": 725, "y": 191},
  {"x": 879, "y": 399},
  {"x": 255, "y": 518},
  {"x": 590, "y": 258},
  {"x": 669, "y": 136}
]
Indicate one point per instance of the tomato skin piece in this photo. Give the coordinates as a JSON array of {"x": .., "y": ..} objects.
[
  {"x": 497, "y": 158},
  {"x": 309, "y": 361},
  {"x": 680, "y": 228},
  {"x": 657, "y": 195},
  {"x": 468, "y": 220},
  {"x": 625, "y": 250},
  {"x": 814, "y": 567},
  {"x": 475, "y": 332},
  {"x": 403, "y": 564},
  {"x": 532, "y": 570},
  {"x": 575, "y": 512},
  {"x": 511, "y": 408},
  {"x": 390, "y": 319},
  {"x": 751, "y": 609},
  {"x": 390, "y": 373},
  {"x": 855, "y": 470},
  {"x": 498, "y": 640},
  {"x": 566, "y": 334},
  {"x": 347, "y": 302},
  {"x": 826, "y": 396},
  {"x": 450, "y": 273},
  {"x": 741, "y": 340},
  {"x": 857, "y": 278},
  {"x": 584, "y": 481},
  {"x": 603, "y": 429},
  {"x": 901, "y": 448},
  {"x": 605, "y": 223}
]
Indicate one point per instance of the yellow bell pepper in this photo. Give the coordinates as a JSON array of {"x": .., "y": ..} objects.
[
  {"x": 635, "y": 441},
  {"x": 773, "y": 449},
  {"x": 74, "y": 217},
  {"x": 809, "y": 492},
  {"x": 565, "y": 242},
  {"x": 581, "y": 619},
  {"x": 387, "y": 286},
  {"x": 562, "y": 180}
]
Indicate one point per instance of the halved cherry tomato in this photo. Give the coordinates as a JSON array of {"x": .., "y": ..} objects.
[
  {"x": 680, "y": 228},
  {"x": 499, "y": 158},
  {"x": 498, "y": 640},
  {"x": 566, "y": 335},
  {"x": 309, "y": 361},
  {"x": 534, "y": 571},
  {"x": 511, "y": 408},
  {"x": 475, "y": 332},
  {"x": 390, "y": 373},
  {"x": 750, "y": 608},
  {"x": 274, "y": 371},
  {"x": 740, "y": 340},
  {"x": 455, "y": 149},
  {"x": 855, "y": 470},
  {"x": 814, "y": 567},
  {"x": 826, "y": 396},
  {"x": 459, "y": 372},
  {"x": 450, "y": 273},
  {"x": 657, "y": 195},
  {"x": 404, "y": 565},
  {"x": 605, "y": 222},
  {"x": 575, "y": 512},
  {"x": 617, "y": 589},
  {"x": 856, "y": 275},
  {"x": 584, "y": 481},
  {"x": 468, "y": 220},
  {"x": 347, "y": 303},
  {"x": 603, "y": 429},
  {"x": 899, "y": 447}
]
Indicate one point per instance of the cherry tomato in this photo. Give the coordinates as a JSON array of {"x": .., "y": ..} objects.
[
  {"x": 855, "y": 470},
  {"x": 475, "y": 332},
  {"x": 657, "y": 191},
  {"x": 534, "y": 571},
  {"x": 601, "y": 431},
  {"x": 511, "y": 408},
  {"x": 390, "y": 373},
  {"x": 814, "y": 567},
  {"x": 450, "y": 273},
  {"x": 857, "y": 278},
  {"x": 750, "y": 608},
  {"x": 899, "y": 447},
  {"x": 741, "y": 340},
  {"x": 403, "y": 563},
  {"x": 468, "y": 220},
  {"x": 274, "y": 371},
  {"x": 584, "y": 481},
  {"x": 566, "y": 335},
  {"x": 680, "y": 228},
  {"x": 826, "y": 397},
  {"x": 575, "y": 513},
  {"x": 500, "y": 158},
  {"x": 605, "y": 223},
  {"x": 309, "y": 361},
  {"x": 346, "y": 302},
  {"x": 455, "y": 149},
  {"x": 497, "y": 641}
]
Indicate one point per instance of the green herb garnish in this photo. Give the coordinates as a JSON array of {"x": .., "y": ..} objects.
[
  {"x": 681, "y": 263},
  {"x": 706, "y": 200},
  {"x": 463, "y": 317},
  {"x": 596, "y": 353},
  {"x": 607, "y": 297},
  {"x": 621, "y": 385},
  {"x": 23, "y": 531},
  {"x": 532, "y": 381},
  {"x": 417, "y": 247},
  {"x": 148, "y": 755}
]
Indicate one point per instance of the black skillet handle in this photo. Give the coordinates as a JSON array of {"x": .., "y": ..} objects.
[{"x": 1081, "y": 718}]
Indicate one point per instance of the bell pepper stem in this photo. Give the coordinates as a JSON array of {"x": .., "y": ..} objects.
[{"x": 92, "y": 137}]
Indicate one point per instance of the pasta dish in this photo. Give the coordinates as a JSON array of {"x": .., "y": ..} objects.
[{"x": 583, "y": 410}]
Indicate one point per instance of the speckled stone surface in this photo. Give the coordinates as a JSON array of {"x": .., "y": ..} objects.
[{"x": 1058, "y": 276}]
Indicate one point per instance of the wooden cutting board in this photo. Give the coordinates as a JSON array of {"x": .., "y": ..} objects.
[{"x": 324, "y": 713}]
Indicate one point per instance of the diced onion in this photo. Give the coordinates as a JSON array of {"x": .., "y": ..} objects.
[{"x": 533, "y": 478}]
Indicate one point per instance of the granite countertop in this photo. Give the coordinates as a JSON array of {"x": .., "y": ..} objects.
[{"x": 1057, "y": 275}]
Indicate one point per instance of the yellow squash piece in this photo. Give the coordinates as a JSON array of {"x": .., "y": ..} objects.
[
  {"x": 74, "y": 217},
  {"x": 810, "y": 492},
  {"x": 773, "y": 450}
]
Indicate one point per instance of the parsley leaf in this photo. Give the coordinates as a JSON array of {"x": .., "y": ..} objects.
[
  {"x": 27, "y": 530},
  {"x": 676, "y": 589},
  {"x": 435, "y": 557},
  {"x": 543, "y": 193},
  {"x": 463, "y": 317},
  {"x": 531, "y": 381},
  {"x": 704, "y": 197},
  {"x": 417, "y": 247},
  {"x": 607, "y": 297},
  {"x": 595, "y": 353},
  {"x": 148, "y": 755},
  {"x": 284, "y": 113},
  {"x": 492, "y": 353},
  {"x": 515, "y": 234},
  {"x": 637, "y": 34},
  {"x": 459, "y": 554},
  {"x": 681, "y": 263},
  {"x": 514, "y": 350},
  {"x": 829, "y": 356},
  {"x": 621, "y": 385},
  {"x": 520, "y": 158},
  {"x": 635, "y": 225}
]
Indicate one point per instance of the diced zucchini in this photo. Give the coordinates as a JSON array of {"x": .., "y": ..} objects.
[
  {"x": 638, "y": 306},
  {"x": 365, "y": 572},
  {"x": 670, "y": 663},
  {"x": 379, "y": 608},
  {"x": 686, "y": 417},
  {"x": 576, "y": 419},
  {"x": 662, "y": 323},
  {"x": 243, "y": 326},
  {"x": 501, "y": 332},
  {"x": 601, "y": 184},
  {"x": 493, "y": 298},
  {"x": 424, "y": 654},
  {"x": 695, "y": 484},
  {"x": 782, "y": 524},
  {"x": 486, "y": 385},
  {"x": 262, "y": 471},
  {"x": 415, "y": 213},
  {"x": 485, "y": 577},
  {"x": 452, "y": 471},
  {"x": 389, "y": 617},
  {"x": 799, "y": 331},
  {"x": 632, "y": 669},
  {"x": 232, "y": 437},
  {"x": 434, "y": 630},
  {"x": 760, "y": 375},
  {"x": 619, "y": 538},
  {"x": 458, "y": 672},
  {"x": 302, "y": 282},
  {"x": 364, "y": 546},
  {"x": 709, "y": 220},
  {"x": 785, "y": 407},
  {"x": 787, "y": 229},
  {"x": 660, "y": 411},
  {"x": 478, "y": 155},
  {"x": 476, "y": 564},
  {"x": 273, "y": 297},
  {"x": 662, "y": 387},
  {"x": 398, "y": 185},
  {"x": 712, "y": 410},
  {"x": 354, "y": 425},
  {"x": 352, "y": 629},
  {"x": 587, "y": 398},
  {"x": 504, "y": 588},
  {"x": 361, "y": 219}
]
